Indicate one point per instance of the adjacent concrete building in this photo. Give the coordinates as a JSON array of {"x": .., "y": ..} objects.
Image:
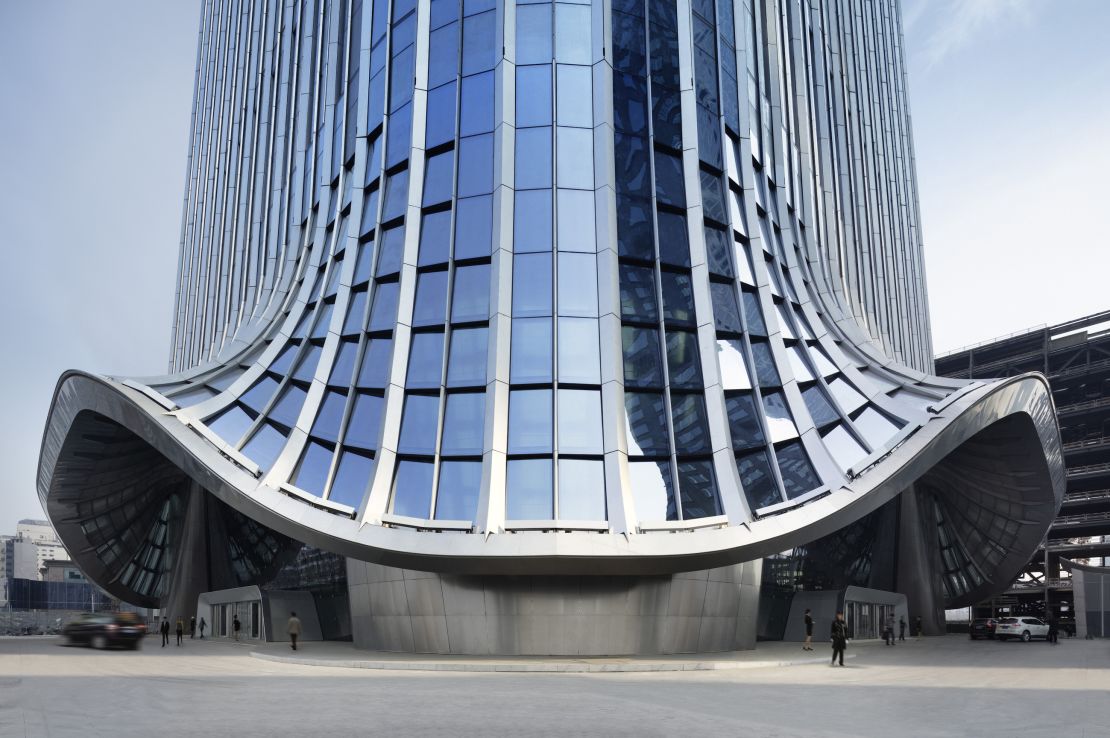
[{"x": 555, "y": 319}]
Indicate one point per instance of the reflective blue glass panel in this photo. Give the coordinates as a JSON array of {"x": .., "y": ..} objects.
[
  {"x": 643, "y": 366},
  {"x": 528, "y": 493},
  {"x": 463, "y": 424},
  {"x": 425, "y": 361},
  {"x": 531, "y": 351},
  {"x": 418, "y": 426},
  {"x": 231, "y": 424},
  {"x": 532, "y": 221},
  {"x": 460, "y": 483},
  {"x": 684, "y": 360},
  {"x": 579, "y": 353},
  {"x": 435, "y": 238},
  {"x": 470, "y": 301},
  {"x": 431, "y": 299},
  {"x": 698, "y": 488},
  {"x": 374, "y": 372},
  {"x": 365, "y": 422},
  {"x": 530, "y": 421},
  {"x": 646, "y": 432},
  {"x": 352, "y": 478},
  {"x": 531, "y": 285},
  {"x": 798, "y": 475},
  {"x": 288, "y": 406},
  {"x": 330, "y": 415},
  {"x": 580, "y": 421},
  {"x": 312, "y": 472},
  {"x": 473, "y": 227},
  {"x": 265, "y": 445},
  {"x": 758, "y": 480},
  {"x": 578, "y": 287},
  {"x": 653, "y": 490},
  {"x": 581, "y": 489},
  {"x": 412, "y": 489},
  {"x": 466, "y": 366}
]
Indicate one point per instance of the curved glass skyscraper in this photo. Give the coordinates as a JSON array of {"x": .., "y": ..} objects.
[{"x": 582, "y": 304}]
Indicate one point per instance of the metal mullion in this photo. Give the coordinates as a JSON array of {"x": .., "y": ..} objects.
[
  {"x": 554, "y": 273},
  {"x": 448, "y": 332}
]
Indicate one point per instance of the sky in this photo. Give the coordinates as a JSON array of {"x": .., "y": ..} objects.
[{"x": 1011, "y": 116}]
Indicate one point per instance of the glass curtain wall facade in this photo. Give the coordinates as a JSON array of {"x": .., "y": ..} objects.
[{"x": 527, "y": 287}]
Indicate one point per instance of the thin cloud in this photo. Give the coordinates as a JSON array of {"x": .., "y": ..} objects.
[{"x": 956, "y": 24}]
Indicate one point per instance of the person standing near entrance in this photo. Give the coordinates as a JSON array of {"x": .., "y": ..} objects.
[
  {"x": 203, "y": 625},
  {"x": 193, "y": 627},
  {"x": 1053, "y": 631},
  {"x": 164, "y": 629},
  {"x": 917, "y": 627},
  {"x": 901, "y": 627},
  {"x": 838, "y": 633},
  {"x": 235, "y": 625},
  {"x": 294, "y": 629},
  {"x": 888, "y": 631},
  {"x": 808, "y": 645},
  {"x": 180, "y": 630}
]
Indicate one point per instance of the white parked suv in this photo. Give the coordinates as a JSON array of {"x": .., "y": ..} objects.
[{"x": 1023, "y": 628}]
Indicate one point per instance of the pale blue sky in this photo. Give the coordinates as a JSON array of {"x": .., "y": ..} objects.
[{"x": 1011, "y": 113}]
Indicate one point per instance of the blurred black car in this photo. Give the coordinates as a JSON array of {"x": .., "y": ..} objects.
[
  {"x": 982, "y": 628},
  {"x": 105, "y": 629}
]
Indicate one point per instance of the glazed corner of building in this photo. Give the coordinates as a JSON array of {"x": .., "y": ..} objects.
[{"x": 494, "y": 292}]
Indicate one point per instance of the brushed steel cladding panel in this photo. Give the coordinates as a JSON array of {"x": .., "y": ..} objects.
[
  {"x": 690, "y": 612},
  {"x": 620, "y": 288}
]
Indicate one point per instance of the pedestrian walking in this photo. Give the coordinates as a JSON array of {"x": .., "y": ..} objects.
[
  {"x": 180, "y": 630},
  {"x": 917, "y": 626},
  {"x": 808, "y": 645},
  {"x": 203, "y": 625},
  {"x": 235, "y": 625},
  {"x": 1053, "y": 631},
  {"x": 888, "y": 631},
  {"x": 193, "y": 627},
  {"x": 838, "y": 634},
  {"x": 294, "y": 629},
  {"x": 901, "y": 627},
  {"x": 164, "y": 629}
]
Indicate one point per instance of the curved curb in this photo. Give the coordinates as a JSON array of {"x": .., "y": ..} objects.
[{"x": 540, "y": 667}]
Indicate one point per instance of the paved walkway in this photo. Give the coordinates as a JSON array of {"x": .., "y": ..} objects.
[
  {"x": 347, "y": 656},
  {"x": 936, "y": 687}
]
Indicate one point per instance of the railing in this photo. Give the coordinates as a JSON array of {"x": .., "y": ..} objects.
[
  {"x": 1079, "y": 471},
  {"x": 1085, "y": 405},
  {"x": 1093, "y": 495},
  {"x": 1087, "y": 443},
  {"x": 1084, "y": 519}
]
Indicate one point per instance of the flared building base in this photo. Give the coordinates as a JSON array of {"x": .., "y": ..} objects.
[{"x": 421, "y": 612}]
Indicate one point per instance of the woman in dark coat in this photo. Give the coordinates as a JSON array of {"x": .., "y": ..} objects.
[{"x": 839, "y": 634}]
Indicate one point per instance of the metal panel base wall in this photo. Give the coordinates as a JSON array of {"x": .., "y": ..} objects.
[{"x": 421, "y": 612}]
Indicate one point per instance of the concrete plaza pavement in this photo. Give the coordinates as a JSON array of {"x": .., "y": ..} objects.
[{"x": 946, "y": 686}]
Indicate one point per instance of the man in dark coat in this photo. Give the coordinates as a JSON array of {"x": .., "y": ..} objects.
[
  {"x": 165, "y": 630},
  {"x": 901, "y": 628},
  {"x": 1053, "y": 631},
  {"x": 808, "y": 645},
  {"x": 839, "y": 635}
]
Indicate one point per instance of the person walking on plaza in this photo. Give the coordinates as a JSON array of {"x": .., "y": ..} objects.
[
  {"x": 235, "y": 625},
  {"x": 917, "y": 627},
  {"x": 294, "y": 629},
  {"x": 901, "y": 627},
  {"x": 888, "y": 630},
  {"x": 203, "y": 625},
  {"x": 164, "y": 629},
  {"x": 193, "y": 627},
  {"x": 838, "y": 633},
  {"x": 1053, "y": 631},
  {"x": 808, "y": 645},
  {"x": 180, "y": 630}
]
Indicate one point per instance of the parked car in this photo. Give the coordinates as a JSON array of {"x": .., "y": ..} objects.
[
  {"x": 1025, "y": 628},
  {"x": 982, "y": 628},
  {"x": 105, "y": 629}
]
